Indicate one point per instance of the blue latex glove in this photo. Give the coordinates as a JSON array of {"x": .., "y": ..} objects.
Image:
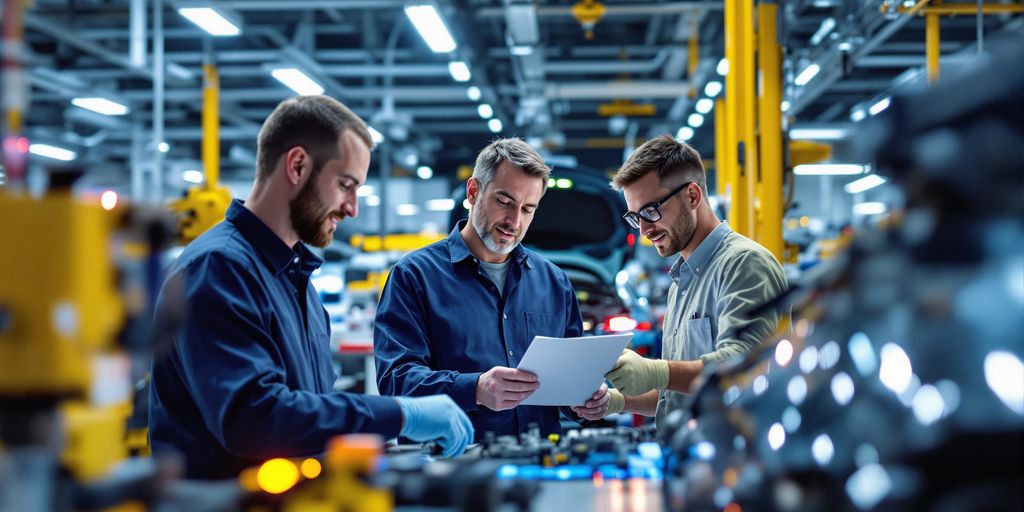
[{"x": 437, "y": 417}]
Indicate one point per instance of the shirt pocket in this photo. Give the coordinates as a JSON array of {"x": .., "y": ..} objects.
[
  {"x": 544, "y": 324},
  {"x": 698, "y": 338}
]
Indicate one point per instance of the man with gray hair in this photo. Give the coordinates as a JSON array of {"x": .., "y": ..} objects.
[{"x": 457, "y": 316}]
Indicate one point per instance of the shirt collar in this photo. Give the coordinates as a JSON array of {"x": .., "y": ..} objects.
[
  {"x": 698, "y": 261},
  {"x": 459, "y": 251},
  {"x": 276, "y": 253}
]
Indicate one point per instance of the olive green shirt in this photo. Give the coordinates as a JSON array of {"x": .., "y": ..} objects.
[{"x": 709, "y": 302}]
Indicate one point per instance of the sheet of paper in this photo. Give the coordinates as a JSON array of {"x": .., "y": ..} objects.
[{"x": 570, "y": 369}]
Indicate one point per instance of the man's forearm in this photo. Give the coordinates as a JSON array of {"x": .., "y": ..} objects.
[
  {"x": 645, "y": 404},
  {"x": 682, "y": 373}
]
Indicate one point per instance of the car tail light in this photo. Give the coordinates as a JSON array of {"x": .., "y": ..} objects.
[
  {"x": 619, "y": 323},
  {"x": 624, "y": 323}
]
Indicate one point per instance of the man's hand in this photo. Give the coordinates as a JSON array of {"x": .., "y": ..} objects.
[
  {"x": 436, "y": 417},
  {"x": 598, "y": 405},
  {"x": 634, "y": 375},
  {"x": 502, "y": 388}
]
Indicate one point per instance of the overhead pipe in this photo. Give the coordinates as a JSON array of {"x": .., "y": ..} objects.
[
  {"x": 626, "y": 89},
  {"x": 157, "y": 178},
  {"x": 137, "y": 33},
  {"x": 607, "y": 67},
  {"x": 614, "y": 10},
  {"x": 295, "y": 5},
  {"x": 65, "y": 34}
]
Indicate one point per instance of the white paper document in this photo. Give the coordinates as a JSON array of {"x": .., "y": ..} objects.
[{"x": 570, "y": 369}]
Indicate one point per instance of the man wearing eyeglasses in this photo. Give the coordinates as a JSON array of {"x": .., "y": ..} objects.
[{"x": 719, "y": 277}]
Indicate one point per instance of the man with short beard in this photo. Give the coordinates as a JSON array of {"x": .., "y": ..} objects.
[
  {"x": 457, "y": 316},
  {"x": 248, "y": 374},
  {"x": 719, "y": 278}
]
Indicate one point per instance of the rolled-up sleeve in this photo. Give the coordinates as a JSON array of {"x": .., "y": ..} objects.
[
  {"x": 231, "y": 367},
  {"x": 748, "y": 282},
  {"x": 401, "y": 347}
]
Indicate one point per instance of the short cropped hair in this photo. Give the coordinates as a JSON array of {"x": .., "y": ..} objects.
[
  {"x": 666, "y": 156},
  {"x": 313, "y": 122},
  {"x": 514, "y": 151}
]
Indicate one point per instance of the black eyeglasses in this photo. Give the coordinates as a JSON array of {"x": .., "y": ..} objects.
[{"x": 651, "y": 212}]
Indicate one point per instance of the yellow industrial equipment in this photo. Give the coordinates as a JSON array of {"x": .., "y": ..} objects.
[
  {"x": 205, "y": 205},
  {"x": 70, "y": 287},
  {"x": 403, "y": 242},
  {"x": 626, "y": 108},
  {"x": 588, "y": 13},
  {"x": 338, "y": 482}
]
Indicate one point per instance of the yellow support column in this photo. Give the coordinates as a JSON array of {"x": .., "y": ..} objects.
[
  {"x": 748, "y": 125},
  {"x": 721, "y": 163},
  {"x": 931, "y": 36},
  {"x": 211, "y": 125},
  {"x": 734, "y": 108},
  {"x": 769, "y": 231}
]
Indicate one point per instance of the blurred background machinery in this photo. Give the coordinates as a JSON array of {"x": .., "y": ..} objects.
[{"x": 901, "y": 386}]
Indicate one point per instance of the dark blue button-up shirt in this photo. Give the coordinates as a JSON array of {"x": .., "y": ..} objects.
[
  {"x": 249, "y": 375},
  {"x": 442, "y": 322}
]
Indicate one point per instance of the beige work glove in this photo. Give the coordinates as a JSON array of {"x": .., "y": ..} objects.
[
  {"x": 635, "y": 375},
  {"x": 616, "y": 402}
]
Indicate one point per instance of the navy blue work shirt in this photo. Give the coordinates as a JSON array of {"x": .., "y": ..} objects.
[
  {"x": 442, "y": 322},
  {"x": 249, "y": 374}
]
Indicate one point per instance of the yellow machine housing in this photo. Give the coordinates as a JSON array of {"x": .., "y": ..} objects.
[
  {"x": 201, "y": 209},
  {"x": 59, "y": 302}
]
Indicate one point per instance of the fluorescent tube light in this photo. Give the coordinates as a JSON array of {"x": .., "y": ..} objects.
[
  {"x": 869, "y": 208},
  {"x": 807, "y": 74},
  {"x": 826, "y": 26},
  {"x": 214, "y": 20},
  {"x": 407, "y": 209},
  {"x": 713, "y": 88},
  {"x": 723, "y": 67},
  {"x": 441, "y": 205},
  {"x": 828, "y": 169},
  {"x": 866, "y": 183},
  {"x": 101, "y": 106},
  {"x": 878, "y": 106},
  {"x": 459, "y": 71},
  {"x": 431, "y": 27},
  {"x": 54, "y": 152},
  {"x": 297, "y": 81},
  {"x": 192, "y": 176},
  {"x": 818, "y": 133},
  {"x": 704, "y": 105}
]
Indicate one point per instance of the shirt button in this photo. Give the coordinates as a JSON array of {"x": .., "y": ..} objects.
[
  {"x": 503, "y": 315},
  {"x": 675, "y": 331},
  {"x": 509, "y": 352},
  {"x": 296, "y": 260}
]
